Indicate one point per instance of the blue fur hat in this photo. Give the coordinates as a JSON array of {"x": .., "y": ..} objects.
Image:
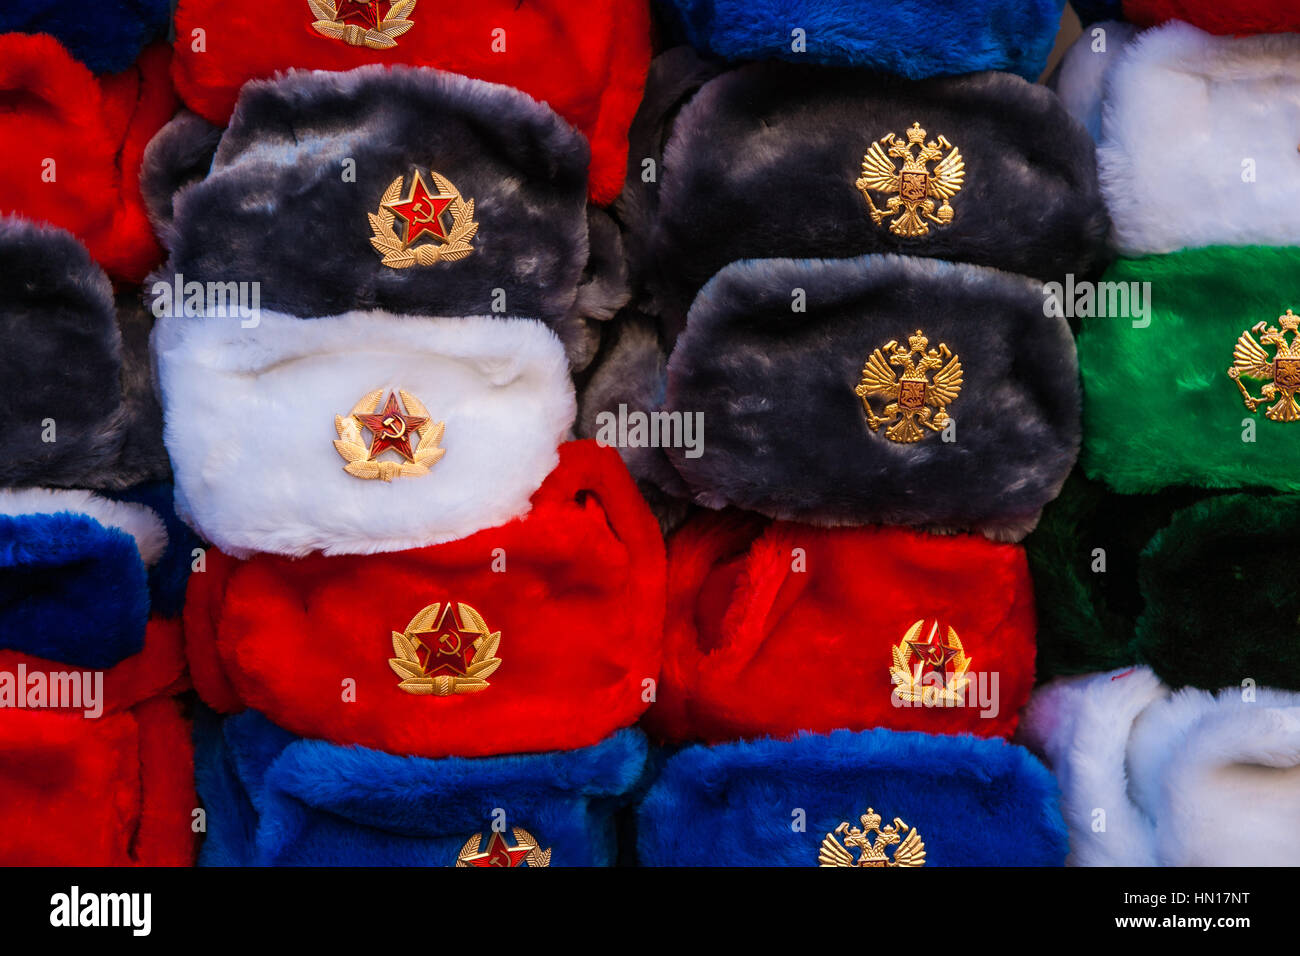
[
  {"x": 972, "y": 802},
  {"x": 913, "y": 38},
  {"x": 279, "y": 800},
  {"x": 107, "y": 37}
]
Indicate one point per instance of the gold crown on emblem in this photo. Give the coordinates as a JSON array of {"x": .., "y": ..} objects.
[
  {"x": 873, "y": 841},
  {"x": 1281, "y": 370}
]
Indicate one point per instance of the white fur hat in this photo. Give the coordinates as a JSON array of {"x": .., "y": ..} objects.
[
  {"x": 1199, "y": 140},
  {"x": 262, "y": 422},
  {"x": 1147, "y": 774}
]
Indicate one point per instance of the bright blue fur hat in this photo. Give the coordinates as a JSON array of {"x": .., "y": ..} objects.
[
  {"x": 972, "y": 802},
  {"x": 279, "y": 800},
  {"x": 106, "y": 36},
  {"x": 912, "y": 38}
]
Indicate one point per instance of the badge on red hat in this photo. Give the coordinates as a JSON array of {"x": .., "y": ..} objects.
[
  {"x": 442, "y": 653},
  {"x": 437, "y": 225},
  {"x": 526, "y": 851},
  {"x": 874, "y": 842},
  {"x": 912, "y": 190},
  {"x": 913, "y": 400},
  {"x": 945, "y": 683},
  {"x": 367, "y": 23},
  {"x": 412, "y": 434}
]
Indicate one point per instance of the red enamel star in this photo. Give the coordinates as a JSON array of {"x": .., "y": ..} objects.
[
  {"x": 392, "y": 428},
  {"x": 447, "y": 650},
  {"x": 366, "y": 12},
  {"x": 499, "y": 854},
  {"x": 422, "y": 211},
  {"x": 937, "y": 655}
]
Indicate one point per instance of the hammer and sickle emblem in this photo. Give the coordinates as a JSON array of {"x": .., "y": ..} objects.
[
  {"x": 449, "y": 643},
  {"x": 391, "y": 432},
  {"x": 423, "y": 212}
]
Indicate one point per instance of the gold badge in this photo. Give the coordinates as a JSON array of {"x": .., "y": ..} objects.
[
  {"x": 908, "y": 850},
  {"x": 366, "y": 23},
  {"x": 391, "y": 429},
  {"x": 1281, "y": 372},
  {"x": 526, "y": 851},
  {"x": 948, "y": 661},
  {"x": 913, "y": 400},
  {"x": 914, "y": 188},
  {"x": 444, "y": 218},
  {"x": 441, "y": 653}
]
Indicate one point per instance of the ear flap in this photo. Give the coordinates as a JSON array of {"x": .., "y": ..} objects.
[{"x": 180, "y": 154}]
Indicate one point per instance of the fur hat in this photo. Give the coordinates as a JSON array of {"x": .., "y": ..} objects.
[
  {"x": 791, "y": 435},
  {"x": 1234, "y": 176},
  {"x": 344, "y": 164},
  {"x": 274, "y": 799},
  {"x": 588, "y": 60},
  {"x": 765, "y": 160},
  {"x": 1182, "y": 392},
  {"x": 1146, "y": 772},
  {"x": 767, "y": 623},
  {"x": 887, "y": 35},
  {"x": 1219, "y": 16},
  {"x": 268, "y": 457},
  {"x": 107, "y": 37},
  {"x": 971, "y": 802},
  {"x": 73, "y": 146},
  {"x": 568, "y": 602}
]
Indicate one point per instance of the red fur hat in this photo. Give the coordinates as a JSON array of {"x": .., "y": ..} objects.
[
  {"x": 1219, "y": 16},
  {"x": 587, "y": 60},
  {"x": 539, "y": 634},
  {"x": 94, "y": 130},
  {"x": 775, "y": 628}
]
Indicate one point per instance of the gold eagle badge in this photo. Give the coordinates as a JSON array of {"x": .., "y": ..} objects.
[
  {"x": 913, "y": 399},
  {"x": 365, "y": 23},
  {"x": 911, "y": 192},
  {"x": 442, "y": 657},
  {"x": 443, "y": 217},
  {"x": 526, "y": 852},
  {"x": 1281, "y": 371},
  {"x": 947, "y": 660},
  {"x": 873, "y": 841},
  {"x": 391, "y": 429}
]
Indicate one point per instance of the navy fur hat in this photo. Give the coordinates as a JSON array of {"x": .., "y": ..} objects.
[
  {"x": 107, "y": 37},
  {"x": 971, "y": 802}
]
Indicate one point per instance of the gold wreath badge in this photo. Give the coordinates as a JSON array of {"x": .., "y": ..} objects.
[
  {"x": 358, "y": 23},
  {"x": 390, "y": 428},
  {"x": 912, "y": 190},
  {"x": 909, "y": 685},
  {"x": 909, "y": 850},
  {"x": 423, "y": 213},
  {"x": 451, "y": 662},
  {"x": 499, "y": 853}
]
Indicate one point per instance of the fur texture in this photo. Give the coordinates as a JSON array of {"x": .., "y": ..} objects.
[
  {"x": 1219, "y": 16},
  {"x": 762, "y": 162},
  {"x": 893, "y": 36},
  {"x": 277, "y": 800},
  {"x": 786, "y": 435},
  {"x": 755, "y": 646},
  {"x": 587, "y": 60},
  {"x": 1090, "y": 11},
  {"x": 1176, "y": 84},
  {"x": 106, "y": 37},
  {"x": 178, "y": 156},
  {"x": 1080, "y": 79},
  {"x": 250, "y": 426},
  {"x": 974, "y": 802},
  {"x": 579, "y": 608},
  {"x": 1158, "y": 406},
  {"x": 169, "y": 575}
]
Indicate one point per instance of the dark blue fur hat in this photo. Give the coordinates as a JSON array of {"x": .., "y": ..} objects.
[{"x": 107, "y": 37}]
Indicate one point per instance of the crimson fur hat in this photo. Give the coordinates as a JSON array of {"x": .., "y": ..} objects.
[
  {"x": 566, "y": 602},
  {"x": 587, "y": 60},
  {"x": 767, "y": 622},
  {"x": 74, "y": 143},
  {"x": 1219, "y": 16}
]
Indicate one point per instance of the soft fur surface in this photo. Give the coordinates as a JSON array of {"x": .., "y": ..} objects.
[
  {"x": 912, "y": 38},
  {"x": 974, "y": 802},
  {"x": 250, "y": 426},
  {"x": 762, "y": 162},
  {"x": 106, "y": 37},
  {"x": 1080, "y": 78},
  {"x": 72, "y": 575},
  {"x": 277, "y": 800},
  {"x": 1222, "y": 100},
  {"x": 587, "y": 60},
  {"x": 579, "y": 606},
  {"x": 169, "y": 575},
  {"x": 1158, "y": 406},
  {"x": 1168, "y": 768},
  {"x": 179, "y": 155},
  {"x": 756, "y": 647},
  {"x": 114, "y": 791},
  {"x": 787, "y": 436},
  {"x": 95, "y": 130},
  {"x": 1220, "y": 16}
]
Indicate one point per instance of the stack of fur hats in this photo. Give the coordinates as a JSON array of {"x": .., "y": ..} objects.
[{"x": 1162, "y": 575}]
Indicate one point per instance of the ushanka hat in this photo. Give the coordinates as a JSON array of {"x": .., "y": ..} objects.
[
  {"x": 1189, "y": 365},
  {"x": 409, "y": 190},
  {"x": 779, "y": 160},
  {"x": 906, "y": 391},
  {"x": 777, "y": 627},
  {"x": 107, "y": 37},
  {"x": 74, "y": 143},
  {"x": 1219, "y": 16},
  {"x": 913, "y": 38},
  {"x": 277, "y": 800},
  {"x": 1232, "y": 106},
  {"x": 1147, "y": 772},
  {"x": 588, "y": 60},
  {"x": 543, "y": 633},
  {"x": 876, "y": 798}
]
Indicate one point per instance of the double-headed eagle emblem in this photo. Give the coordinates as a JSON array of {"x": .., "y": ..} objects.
[
  {"x": 909, "y": 850},
  {"x": 913, "y": 190},
  {"x": 1281, "y": 371},
  {"x": 913, "y": 399}
]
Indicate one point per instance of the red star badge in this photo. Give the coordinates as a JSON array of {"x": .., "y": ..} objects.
[
  {"x": 937, "y": 655},
  {"x": 392, "y": 428},
  {"x": 499, "y": 854},
  {"x": 448, "y": 651},
  {"x": 365, "y": 12},
  {"x": 422, "y": 212}
]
